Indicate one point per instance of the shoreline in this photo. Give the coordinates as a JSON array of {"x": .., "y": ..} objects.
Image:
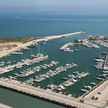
[
  {"x": 85, "y": 100},
  {"x": 46, "y": 38},
  {"x": 48, "y": 95}
]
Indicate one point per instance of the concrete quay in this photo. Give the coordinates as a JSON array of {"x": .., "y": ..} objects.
[
  {"x": 66, "y": 45},
  {"x": 8, "y": 52},
  {"x": 47, "y": 94}
]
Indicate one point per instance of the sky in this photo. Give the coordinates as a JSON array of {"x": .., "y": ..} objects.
[{"x": 74, "y": 6}]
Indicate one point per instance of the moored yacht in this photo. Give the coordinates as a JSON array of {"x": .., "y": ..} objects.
[
  {"x": 93, "y": 83},
  {"x": 84, "y": 90}
]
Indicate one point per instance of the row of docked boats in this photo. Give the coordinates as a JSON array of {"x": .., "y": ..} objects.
[
  {"x": 88, "y": 87},
  {"x": 102, "y": 76},
  {"x": 38, "y": 58},
  {"x": 84, "y": 42},
  {"x": 35, "y": 69},
  {"x": 52, "y": 73},
  {"x": 90, "y": 45},
  {"x": 72, "y": 79},
  {"x": 5, "y": 70},
  {"x": 102, "y": 43},
  {"x": 3, "y": 63},
  {"x": 99, "y": 63},
  {"x": 71, "y": 50},
  {"x": 68, "y": 50}
]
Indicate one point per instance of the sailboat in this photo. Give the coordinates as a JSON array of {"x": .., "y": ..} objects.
[{"x": 39, "y": 54}]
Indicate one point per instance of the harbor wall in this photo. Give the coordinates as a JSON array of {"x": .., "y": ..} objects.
[{"x": 36, "y": 96}]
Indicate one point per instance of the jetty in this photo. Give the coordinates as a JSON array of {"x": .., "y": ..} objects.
[
  {"x": 32, "y": 42},
  {"x": 67, "y": 45},
  {"x": 47, "y": 94},
  {"x": 83, "y": 42}
]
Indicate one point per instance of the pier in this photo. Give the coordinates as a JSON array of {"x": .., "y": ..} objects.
[
  {"x": 21, "y": 46},
  {"x": 34, "y": 69},
  {"x": 52, "y": 73},
  {"x": 37, "y": 59},
  {"x": 47, "y": 94},
  {"x": 66, "y": 45},
  {"x": 84, "y": 42},
  {"x": 72, "y": 80}
]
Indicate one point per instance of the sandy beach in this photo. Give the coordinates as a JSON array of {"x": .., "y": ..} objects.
[{"x": 9, "y": 45}]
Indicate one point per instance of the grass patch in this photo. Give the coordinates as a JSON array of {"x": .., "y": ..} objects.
[
  {"x": 16, "y": 39},
  {"x": 2, "y": 41}
]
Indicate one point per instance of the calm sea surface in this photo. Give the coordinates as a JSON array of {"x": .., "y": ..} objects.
[{"x": 42, "y": 25}]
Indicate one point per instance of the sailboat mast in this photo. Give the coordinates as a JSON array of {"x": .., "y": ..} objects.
[{"x": 38, "y": 49}]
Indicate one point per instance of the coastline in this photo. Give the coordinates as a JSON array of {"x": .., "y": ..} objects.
[
  {"x": 6, "y": 53},
  {"x": 86, "y": 99}
]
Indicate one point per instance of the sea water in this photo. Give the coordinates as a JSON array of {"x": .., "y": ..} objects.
[{"x": 34, "y": 25}]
